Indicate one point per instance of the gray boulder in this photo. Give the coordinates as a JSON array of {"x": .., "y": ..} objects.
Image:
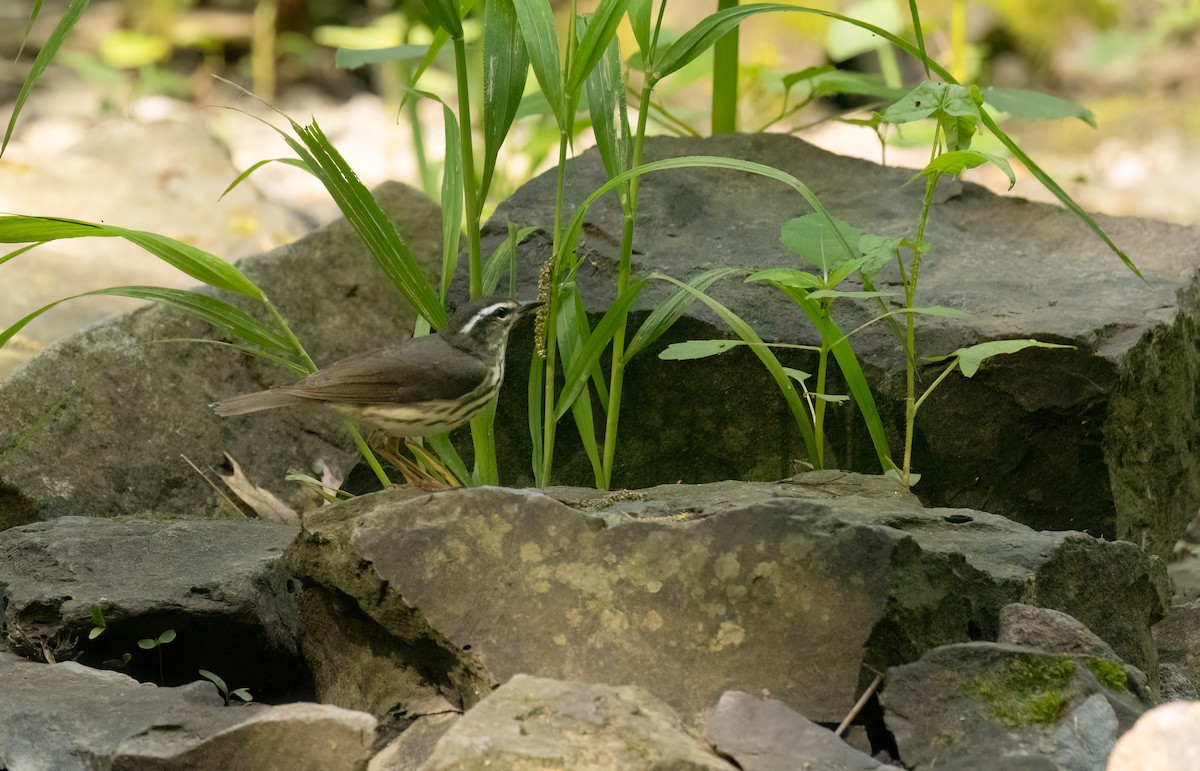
[
  {"x": 688, "y": 591},
  {"x": 106, "y": 422},
  {"x": 219, "y": 585},
  {"x": 972, "y": 704},
  {"x": 71, "y": 718},
  {"x": 1096, "y": 439}
]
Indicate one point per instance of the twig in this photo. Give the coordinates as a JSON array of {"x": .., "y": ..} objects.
[{"x": 858, "y": 705}]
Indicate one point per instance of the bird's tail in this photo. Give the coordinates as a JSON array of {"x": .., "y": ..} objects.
[{"x": 262, "y": 400}]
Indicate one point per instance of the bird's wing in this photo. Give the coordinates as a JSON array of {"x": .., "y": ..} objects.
[{"x": 423, "y": 369}]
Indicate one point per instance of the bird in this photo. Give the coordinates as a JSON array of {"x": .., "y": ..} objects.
[{"x": 423, "y": 386}]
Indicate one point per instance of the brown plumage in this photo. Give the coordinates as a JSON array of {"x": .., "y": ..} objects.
[{"x": 422, "y": 386}]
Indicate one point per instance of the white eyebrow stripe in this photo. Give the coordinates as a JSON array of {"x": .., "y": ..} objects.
[{"x": 479, "y": 314}]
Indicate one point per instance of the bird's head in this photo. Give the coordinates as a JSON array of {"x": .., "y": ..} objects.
[{"x": 482, "y": 326}]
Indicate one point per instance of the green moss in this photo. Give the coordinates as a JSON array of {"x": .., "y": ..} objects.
[
  {"x": 1110, "y": 674},
  {"x": 1027, "y": 691}
]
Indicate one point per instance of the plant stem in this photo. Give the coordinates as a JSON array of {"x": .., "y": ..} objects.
[
  {"x": 549, "y": 424},
  {"x": 910, "y": 345},
  {"x": 365, "y": 451},
  {"x": 470, "y": 186},
  {"x": 725, "y": 78},
  {"x": 617, "y": 375},
  {"x": 821, "y": 404}
]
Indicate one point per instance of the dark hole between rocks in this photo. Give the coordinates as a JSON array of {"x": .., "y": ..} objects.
[
  {"x": 958, "y": 519},
  {"x": 237, "y": 653}
]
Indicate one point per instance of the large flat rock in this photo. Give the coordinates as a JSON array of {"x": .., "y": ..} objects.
[{"x": 798, "y": 590}]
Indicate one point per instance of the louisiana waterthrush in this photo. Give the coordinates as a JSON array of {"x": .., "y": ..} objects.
[{"x": 423, "y": 386}]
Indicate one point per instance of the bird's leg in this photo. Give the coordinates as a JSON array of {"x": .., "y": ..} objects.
[{"x": 414, "y": 475}]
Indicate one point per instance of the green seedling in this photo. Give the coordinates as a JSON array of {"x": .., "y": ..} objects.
[
  {"x": 228, "y": 695},
  {"x": 151, "y": 643}
]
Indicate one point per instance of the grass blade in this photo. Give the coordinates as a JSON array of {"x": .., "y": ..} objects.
[
  {"x": 664, "y": 315},
  {"x": 606, "y": 104},
  {"x": 446, "y": 14},
  {"x": 208, "y": 309},
  {"x": 601, "y": 29},
  {"x": 452, "y": 201},
  {"x": 581, "y": 368},
  {"x": 195, "y": 262},
  {"x": 299, "y": 164},
  {"x": 363, "y": 212},
  {"x": 503, "y": 259},
  {"x": 851, "y": 371},
  {"x": 541, "y": 42},
  {"x": 765, "y": 355},
  {"x": 505, "y": 70},
  {"x": 55, "y": 41}
]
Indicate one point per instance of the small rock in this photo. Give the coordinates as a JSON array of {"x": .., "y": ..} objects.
[
  {"x": 1167, "y": 738},
  {"x": 68, "y": 717},
  {"x": 767, "y": 735},
  {"x": 533, "y": 722}
]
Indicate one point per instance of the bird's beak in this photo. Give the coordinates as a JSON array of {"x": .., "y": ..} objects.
[{"x": 531, "y": 305}]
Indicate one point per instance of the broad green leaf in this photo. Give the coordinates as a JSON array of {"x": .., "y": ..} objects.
[
  {"x": 353, "y": 58},
  {"x": 766, "y": 356},
  {"x": 610, "y": 121},
  {"x": 788, "y": 277},
  {"x": 957, "y": 161},
  {"x": 931, "y": 98},
  {"x": 216, "y": 680},
  {"x": 798, "y": 375},
  {"x": 452, "y": 201},
  {"x": 446, "y": 14},
  {"x": 505, "y": 70},
  {"x": 601, "y": 29},
  {"x": 843, "y": 271},
  {"x": 376, "y": 230},
  {"x": 166, "y": 637},
  {"x": 972, "y": 356},
  {"x": 877, "y": 251},
  {"x": 814, "y": 238},
  {"x": 666, "y": 313},
  {"x": 1034, "y": 105},
  {"x": 832, "y": 398},
  {"x": 541, "y": 41},
  {"x": 42, "y": 60},
  {"x": 195, "y": 262},
  {"x": 698, "y": 349},
  {"x": 581, "y": 368}
]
